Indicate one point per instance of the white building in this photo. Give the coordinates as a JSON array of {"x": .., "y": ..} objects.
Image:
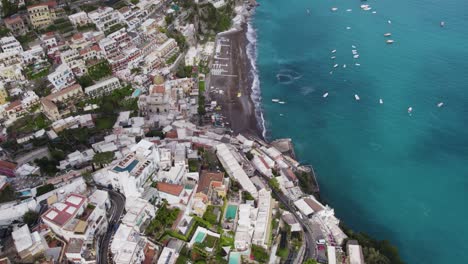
[
  {"x": 168, "y": 256},
  {"x": 75, "y": 218},
  {"x": 139, "y": 211},
  {"x": 175, "y": 194},
  {"x": 355, "y": 252},
  {"x": 232, "y": 167},
  {"x": 79, "y": 19},
  {"x": 28, "y": 245},
  {"x": 104, "y": 18},
  {"x": 9, "y": 44},
  {"x": 130, "y": 173},
  {"x": 127, "y": 246},
  {"x": 61, "y": 77},
  {"x": 245, "y": 227},
  {"x": 261, "y": 233},
  {"x": 103, "y": 87},
  {"x": 34, "y": 53}
]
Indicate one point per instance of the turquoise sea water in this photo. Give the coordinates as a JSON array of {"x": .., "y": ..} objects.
[{"x": 396, "y": 176}]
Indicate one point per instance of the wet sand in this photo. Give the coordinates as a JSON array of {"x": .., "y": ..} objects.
[{"x": 236, "y": 79}]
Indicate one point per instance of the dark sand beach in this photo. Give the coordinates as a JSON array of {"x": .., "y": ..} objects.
[{"x": 235, "y": 80}]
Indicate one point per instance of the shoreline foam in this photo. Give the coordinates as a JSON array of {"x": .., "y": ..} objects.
[{"x": 251, "y": 50}]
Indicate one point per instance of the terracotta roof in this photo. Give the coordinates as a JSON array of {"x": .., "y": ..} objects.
[
  {"x": 206, "y": 178},
  {"x": 316, "y": 206},
  {"x": 172, "y": 134},
  {"x": 50, "y": 4},
  {"x": 173, "y": 189},
  {"x": 64, "y": 91},
  {"x": 48, "y": 103},
  {"x": 8, "y": 165},
  {"x": 158, "y": 89},
  {"x": 77, "y": 36},
  {"x": 124, "y": 9},
  {"x": 96, "y": 47},
  {"x": 290, "y": 174},
  {"x": 13, "y": 19},
  {"x": 13, "y": 105}
]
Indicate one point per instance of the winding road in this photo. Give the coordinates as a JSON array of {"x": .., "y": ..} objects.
[{"x": 117, "y": 209}]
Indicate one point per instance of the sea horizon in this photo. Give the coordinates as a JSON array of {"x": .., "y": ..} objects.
[{"x": 388, "y": 171}]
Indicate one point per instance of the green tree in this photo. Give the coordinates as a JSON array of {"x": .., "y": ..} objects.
[
  {"x": 44, "y": 189},
  {"x": 103, "y": 158},
  {"x": 310, "y": 261},
  {"x": 30, "y": 217},
  {"x": 9, "y": 8},
  {"x": 85, "y": 81}
]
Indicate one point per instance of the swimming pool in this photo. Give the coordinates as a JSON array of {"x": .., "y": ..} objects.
[
  {"x": 231, "y": 212},
  {"x": 129, "y": 168},
  {"x": 136, "y": 93},
  {"x": 25, "y": 193},
  {"x": 234, "y": 258},
  {"x": 200, "y": 237}
]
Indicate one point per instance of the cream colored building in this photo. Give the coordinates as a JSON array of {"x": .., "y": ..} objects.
[
  {"x": 3, "y": 94},
  {"x": 41, "y": 15}
]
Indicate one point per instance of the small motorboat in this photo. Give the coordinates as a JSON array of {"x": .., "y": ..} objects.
[
  {"x": 356, "y": 56},
  {"x": 374, "y": 12},
  {"x": 357, "y": 97},
  {"x": 389, "y": 21},
  {"x": 334, "y": 9},
  {"x": 357, "y": 64},
  {"x": 325, "y": 95},
  {"x": 390, "y": 41},
  {"x": 348, "y": 28},
  {"x": 333, "y": 51},
  {"x": 442, "y": 23},
  {"x": 440, "y": 104},
  {"x": 410, "y": 110},
  {"x": 387, "y": 34},
  {"x": 281, "y": 102},
  {"x": 331, "y": 72},
  {"x": 335, "y": 66},
  {"x": 344, "y": 65},
  {"x": 333, "y": 57},
  {"x": 275, "y": 100},
  {"x": 352, "y": 46},
  {"x": 380, "y": 101},
  {"x": 349, "y": 10}
]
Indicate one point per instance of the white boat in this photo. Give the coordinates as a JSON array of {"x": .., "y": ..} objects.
[
  {"x": 333, "y": 51},
  {"x": 336, "y": 65},
  {"x": 281, "y": 102},
  {"x": 325, "y": 95},
  {"x": 344, "y": 65},
  {"x": 356, "y": 56},
  {"x": 275, "y": 100},
  {"x": 389, "y": 21},
  {"x": 387, "y": 34},
  {"x": 349, "y": 10},
  {"x": 442, "y": 24},
  {"x": 331, "y": 72},
  {"x": 334, "y": 9},
  {"x": 390, "y": 41},
  {"x": 380, "y": 101},
  {"x": 364, "y": 6},
  {"x": 357, "y": 97},
  {"x": 348, "y": 28},
  {"x": 352, "y": 46},
  {"x": 440, "y": 104},
  {"x": 374, "y": 12},
  {"x": 410, "y": 109},
  {"x": 357, "y": 64},
  {"x": 333, "y": 57}
]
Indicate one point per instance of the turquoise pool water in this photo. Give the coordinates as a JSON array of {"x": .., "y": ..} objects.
[
  {"x": 234, "y": 258},
  {"x": 129, "y": 168},
  {"x": 136, "y": 93},
  {"x": 231, "y": 212},
  {"x": 200, "y": 237}
]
